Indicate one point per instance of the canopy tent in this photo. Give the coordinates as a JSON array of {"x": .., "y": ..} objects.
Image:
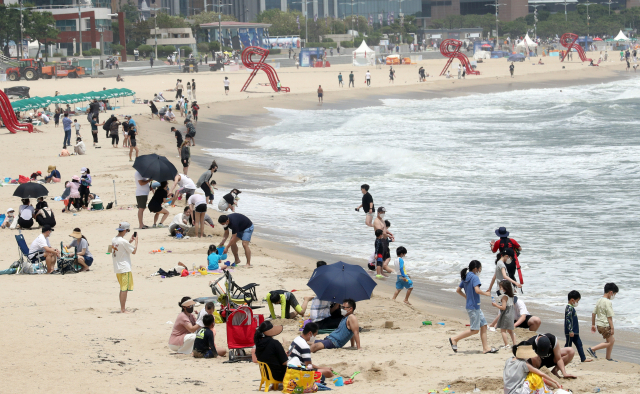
[
  {"x": 40, "y": 102},
  {"x": 364, "y": 56},
  {"x": 621, "y": 37},
  {"x": 527, "y": 42}
]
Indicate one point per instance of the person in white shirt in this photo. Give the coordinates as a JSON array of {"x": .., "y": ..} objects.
[
  {"x": 367, "y": 78},
  {"x": 226, "y": 86},
  {"x": 181, "y": 220},
  {"x": 41, "y": 249},
  {"x": 142, "y": 194},
  {"x": 198, "y": 205},
  {"x": 187, "y": 186},
  {"x": 79, "y": 148},
  {"x": 169, "y": 116},
  {"x": 300, "y": 353},
  {"x": 45, "y": 118},
  {"x": 522, "y": 317},
  {"x": 121, "y": 251}
]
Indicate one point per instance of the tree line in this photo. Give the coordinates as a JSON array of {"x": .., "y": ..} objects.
[{"x": 38, "y": 26}]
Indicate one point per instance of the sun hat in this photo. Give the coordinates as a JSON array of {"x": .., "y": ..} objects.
[
  {"x": 51, "y": 168},
  {"x": 123, "y": 226},
  {"x": 525, "y": 352},
  {"x": 10, "y": 210},
  {"x": 75, "y": 178},
  {"x": 76, "y": 235},
  {"x": 269, "y": 330},
  {"x": 188, "y": 303},
  {"x": 83, "y": 169},
  {"x": 502, "y": 232}
]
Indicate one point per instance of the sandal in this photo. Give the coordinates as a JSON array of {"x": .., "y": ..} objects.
[
  {"x": 144, "y": 227},
  {"x": 493, "y": 350},
  {"x": 453, "y": 347}
]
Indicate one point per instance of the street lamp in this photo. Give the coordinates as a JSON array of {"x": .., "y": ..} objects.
[
  {"x": 565, "y": 9},
  {"x": 496, "y": 5},
  {"x": 610, "y": 2},
  {"x": 535, "y": 19},
  {"x": 220, "y": 21},
  {"x": 588, "y": 18}
]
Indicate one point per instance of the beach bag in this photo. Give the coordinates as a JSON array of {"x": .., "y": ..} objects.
[
  {"x": 535, "y": 384},
  {"x": 298, "y": 377},
  {"x": 22, "y": 179}
]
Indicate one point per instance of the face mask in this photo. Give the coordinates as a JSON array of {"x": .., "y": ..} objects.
[
  {"x": 613, "y": 297},
  {"x": 576, "y": 304},
  {"x": 508, "y": 260},
  {"x": 190, "y": 309},
  {"x": 343, "y": 312},
  {"x": 312, "y": 339},
  {"x": 381, "y": 216}
]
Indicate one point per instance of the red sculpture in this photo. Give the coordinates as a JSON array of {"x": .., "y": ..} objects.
[
  {"x": 451, "y": 48},
  {"x": 9, "y": 116},
  {"x": 568, "y": 40},
  {"x": 260, "y": 66}
]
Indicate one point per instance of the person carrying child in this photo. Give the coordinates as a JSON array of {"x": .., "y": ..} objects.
[
  {"x": 602, "y": 320},
  {"x": 8, "y": 219},
  {"x": 204, "y": 345},
  {"x": 506, "y": 320},
  {"x": 403, "y": 281},
  {"x": 571, "y": 327}
]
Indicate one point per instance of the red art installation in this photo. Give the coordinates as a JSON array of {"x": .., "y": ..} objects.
[
  {"x": 568, "y": 40},
  {"x": 9, "y": 116},
  {"x": 451, "y": 48},
  {"x": 260, "y": 65}
]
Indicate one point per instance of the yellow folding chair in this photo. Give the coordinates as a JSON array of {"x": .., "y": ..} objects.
[{"x": 267, "y": 378}]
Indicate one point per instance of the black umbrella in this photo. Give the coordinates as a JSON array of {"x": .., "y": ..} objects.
[
  {"x": 155, "y": 167},
  {"x": 339, "y": 281},
  {"x": 31, "y": 190}
]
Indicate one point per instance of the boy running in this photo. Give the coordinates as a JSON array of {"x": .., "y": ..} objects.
[
  {"x": 602, "y": 320},
  {"x": 403, "y": 280}
]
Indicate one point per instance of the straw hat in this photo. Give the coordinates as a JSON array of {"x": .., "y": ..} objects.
[
  {"x": 525, "y": 352},
  {"x": 76, "y": 235},
  {"x": 51, "y": 168}
]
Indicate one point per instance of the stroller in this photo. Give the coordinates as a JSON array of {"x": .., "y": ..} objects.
[
  {"x": 240, "y": 295},
  {"x": 241, "y": 326}
]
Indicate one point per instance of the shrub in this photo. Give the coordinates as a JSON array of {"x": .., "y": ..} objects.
[
  {"x": 327, "y": 40},
  {"x": 275, "y": 51},
  {"x": 117, "y": 48},
  {"x": 202, "y": 47},
  {"x": 146, "y": 50},
  {"x": 214, "y": 46},
  {"x": 57, "y": 54},
  {"x": 164, "y": 50},
  {"x": 227, "y": 49},
  {"x": 91, "y": 52},
  {"x": 186, "y": 50},
  {"x": 321, "y": 45},
  {"x": 357, "y": 41},
  {"x": 346, "y": 44}
]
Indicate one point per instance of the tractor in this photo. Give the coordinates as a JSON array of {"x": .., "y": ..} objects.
[{"x": 32, "y": 69}]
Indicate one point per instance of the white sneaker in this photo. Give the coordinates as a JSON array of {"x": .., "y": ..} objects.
[{"x": 492, "y": 329}]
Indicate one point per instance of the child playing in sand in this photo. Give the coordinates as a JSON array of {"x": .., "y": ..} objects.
[
  {"x": 403, "y": 281},
  {"x": 204, "y": 345},
  {"x": 571, "y": 328},
  {"x": 9, "y": 218},
  {"x": 517, "y": 371},
  {"x": 213, "y": 260},
  {"x": 602, "y": 320},
  {"x": 506, "y": 320},
  {"x": 209, "y": 309}
]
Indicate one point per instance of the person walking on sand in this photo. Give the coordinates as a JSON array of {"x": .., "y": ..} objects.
[
  {"x": 380, "y": 224},
  {"x": 367, "y": 78},
  {"x": 478, "y": 324},
  {"x": 340, "y": 83},
  {"x": 392, "y": 74},
  {"x": 121, "y": 251},
  {"x": 602, "y": 321},
  {"x": 320, "y": 93},
  {"x": 459, "y": 71},
  {"x": 226, "y": 86},
  {"x": 367, "y": 205},
  {"x": 511, "y": 69},
  {"x": 352, "y": 80},
  {"x": 506, "y": 317},
  {"x": 509, "y": 247},
  {"x": 571, "y": 325},
  {"x": 66, "y": 126},
  {"x": 403, "y": 280}
]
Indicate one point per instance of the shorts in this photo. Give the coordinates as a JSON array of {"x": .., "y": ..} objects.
[
  {"x": 548, "y": 362},
  {"x": 246, "y": 234},
  {"x": 525, "y": 323},
  {"x": 179, "y": 143},
  {"x": 133, "y": 142},
  {"x": 126, "y": 281},
  {"x": 208, "y": 354},
  {"x": 88, "y": 261},
  {"x": 605, "y": 332},
  {"x": 201, "y": 208},
  {"x": 326, "y": 342},
  {"x": 319, "y": 94},
  {"x": 402, "y": 284},
  {"x": 379, "y": 263},
  {"x": 226, "y": 88},
  {"x": 142, "y": 201},
  {"x": 476, "y": 318},
  {"x": 185, "y": 163}
]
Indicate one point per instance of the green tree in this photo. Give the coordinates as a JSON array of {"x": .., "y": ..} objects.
[
  {"x": 145, "y": 50},
  {"x": 39, "y": 26},
  {"x": 9, "y": 26},
  {"x": 284, "y": 23}
]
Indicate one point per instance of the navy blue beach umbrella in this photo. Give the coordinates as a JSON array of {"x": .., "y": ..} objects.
[{"x": 339, "y": 281}]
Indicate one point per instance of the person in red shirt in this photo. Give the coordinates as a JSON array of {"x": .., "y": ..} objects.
[{"x": 510, "y": 247}]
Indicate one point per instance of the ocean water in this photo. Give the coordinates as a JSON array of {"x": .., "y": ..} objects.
[{"x": 559, "y": 169}]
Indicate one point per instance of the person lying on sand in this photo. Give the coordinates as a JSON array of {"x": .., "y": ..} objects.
[{"x": 348, "y": 330}]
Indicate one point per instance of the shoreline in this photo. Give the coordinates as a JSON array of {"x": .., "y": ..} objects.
[{"x": 427, "y": 291}]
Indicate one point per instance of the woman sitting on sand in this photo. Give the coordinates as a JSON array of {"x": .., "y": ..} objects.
[
  {"x": 183, "y": 333},
  {"x": 74, "y": 193},
  {"x": 25, "y": 214},
  {"x": 54, "y": 175},
  {"x": 45, "y": 215},
  {"x": 520, "y": 377},
  {"x": 85, "y": 258}
]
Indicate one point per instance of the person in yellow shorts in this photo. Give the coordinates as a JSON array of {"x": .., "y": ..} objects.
[{"x": 121, "y": 251}]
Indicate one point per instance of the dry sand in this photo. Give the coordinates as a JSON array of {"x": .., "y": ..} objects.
[{"x": 64, "y": 333}]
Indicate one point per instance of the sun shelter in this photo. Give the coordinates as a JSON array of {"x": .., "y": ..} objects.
[
  {"x": 621, "y": 37},
  {"x": 364, "y": 56}
]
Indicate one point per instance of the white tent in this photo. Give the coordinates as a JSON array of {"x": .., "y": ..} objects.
[
  {"x": 364, "y": 56},
  {"x": 621, "y": 37},
  {"x": 527, "y": 42}
]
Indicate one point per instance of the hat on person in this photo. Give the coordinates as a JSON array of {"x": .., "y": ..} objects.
[
  {"x": 128, "y": 116},
  {"x": 381, "y": 210},
  {"x": 188, "y": 303},
  {"x": 76, "y": 234},
  {"x": 10, "y": 210},
  {"x": 502, "y": 232},
  {"x": 75, "y": 178},
  {"x": 124, "y": 226},
  {"x": 83, "y": 169},
  {"x": 542, "y": 346},
  {"x": 46, "y": 228},
  {"x": 51, "y": 168},
  {"x": 525, "y": 351},
  {"x": 269, "y": 330},
  {"x": 39, "y": 172}
]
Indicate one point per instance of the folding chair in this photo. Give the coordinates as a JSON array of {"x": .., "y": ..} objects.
[
  {"x": 26, "y": 257},
  {"x": 266, "y": 378},
  {"x": 239, "y": 294},
  {"x": 68, "y": 262}
]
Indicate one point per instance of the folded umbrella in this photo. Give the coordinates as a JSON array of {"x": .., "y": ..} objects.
[
  {"x": 339, "y": 281},
  {"x": 155, "y": 167},
  {"x": 31, "y": 190}
]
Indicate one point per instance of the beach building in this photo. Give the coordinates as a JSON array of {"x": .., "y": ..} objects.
[
  {"x": 177, "y": 36},
  {"x": 238, "y": 35}
]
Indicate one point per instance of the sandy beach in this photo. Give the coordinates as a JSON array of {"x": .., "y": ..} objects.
[{"x": 72, "y": 336}]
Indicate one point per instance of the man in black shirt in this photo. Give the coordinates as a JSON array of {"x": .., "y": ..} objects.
[
  {"x": 241, "y": 229},
  {"x": 367, "y": 205},
  {"x": 204, "y": 346},
  {"x": 107, "y": 124},
  {"x": 550, "y": 354},
  {"x": 179, "y": 140}
]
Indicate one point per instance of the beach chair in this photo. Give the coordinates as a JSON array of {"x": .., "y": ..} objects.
[
  {"x": 241, "y": 326},
  {"x": 267, "y": 378},
  {"x": 25, "y": 256},
  {"x": 239, "y": 294},
  {"x": 68, "y": 262}
]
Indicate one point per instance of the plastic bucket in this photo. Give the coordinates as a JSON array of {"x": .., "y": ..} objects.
[
  {"x": 222, "y": 256},
  {"x": 97, "y": 206}
]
